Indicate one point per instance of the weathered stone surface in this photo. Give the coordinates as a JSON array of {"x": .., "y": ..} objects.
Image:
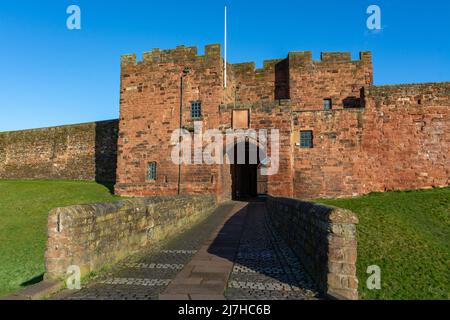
[
  {"x": 375, "y": 138},
  {"x": 324, "y": 238},
  {"x": 78, "y": 152},
  {"x": 98, "y": 235}
]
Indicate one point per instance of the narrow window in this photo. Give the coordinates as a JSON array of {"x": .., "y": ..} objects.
[
  {"x": 327, "y": 104},
  {"x": 151, "y": 171},
  {"x": 196, "y": 110},
  {"x": 306, "y": 139}
]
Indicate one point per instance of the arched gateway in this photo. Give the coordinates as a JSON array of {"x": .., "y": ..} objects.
[{"x": 247, "y": 158}]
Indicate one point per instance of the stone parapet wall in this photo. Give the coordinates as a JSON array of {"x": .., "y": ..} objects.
[
  {"x": 324, "y": 239},
  {"x": 98, "y": 235}
]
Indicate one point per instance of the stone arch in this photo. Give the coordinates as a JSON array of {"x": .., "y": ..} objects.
[{"x": 247, "y": 181}]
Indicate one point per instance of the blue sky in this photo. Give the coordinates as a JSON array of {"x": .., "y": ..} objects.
[{"x": 52, "y": 76}]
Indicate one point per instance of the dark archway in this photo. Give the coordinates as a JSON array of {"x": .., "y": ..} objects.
[{"x": 247, "y": 181}]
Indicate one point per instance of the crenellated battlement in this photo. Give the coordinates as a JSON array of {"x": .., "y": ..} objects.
[
  {"x": 365, "y": 56},
  {"x": 268, "y": 65},
  {"x": 414, "y": 93},
  {"x": 183, "y": 53},
  {"x": 249, "y": 70},
  {"x": 298, "y": 57},
  {"x": 307, "y": 82},
  {"x": 335, "y": 56},
  {"x": 302, "y": 57},
  {"x": 128, "y": 59},
  {"x": 179, "y": 54}
]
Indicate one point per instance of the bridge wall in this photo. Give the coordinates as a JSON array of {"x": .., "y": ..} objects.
[
  {"x": 98, "y": 235},
  {"x": 324, "y": 239}
]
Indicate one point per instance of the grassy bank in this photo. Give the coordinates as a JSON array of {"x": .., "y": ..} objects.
[
  {"x": 407, "y": 234},
  {"x": 24, "y": 206}
]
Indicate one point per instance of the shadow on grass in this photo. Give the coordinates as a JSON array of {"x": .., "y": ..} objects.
[
  {"x": 108, "y": 185},
  {"x": 32, "y": 281}
]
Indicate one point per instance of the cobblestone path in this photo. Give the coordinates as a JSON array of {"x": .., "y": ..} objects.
[{"x": 264, "y": 267}]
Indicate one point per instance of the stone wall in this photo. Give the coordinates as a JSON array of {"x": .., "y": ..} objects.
[
  {"x": 269, "y": 83},
  {"x": 406, "y": 137},
  {"x": 398, "y": 140},
  {"x": 324, "y": 238},
  {"x": 98, "y": 235},
  {"x": 150, "y": 113},
  {"x": 336, "y": 76},
  {"x": 375, "y": 138},
  {"x": 269, "y": 115},
  {"x": 77, "y": 152},
  {"x": 150, "y": 110},
  {"x": 331, "y": 167}
]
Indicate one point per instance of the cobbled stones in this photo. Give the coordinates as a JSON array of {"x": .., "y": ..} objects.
[
  {"x": 145, "y": 276},
  {"x": 265, "y": 267}
]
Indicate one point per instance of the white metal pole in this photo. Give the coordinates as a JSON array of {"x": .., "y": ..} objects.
[{"x": 225, "y": 51}]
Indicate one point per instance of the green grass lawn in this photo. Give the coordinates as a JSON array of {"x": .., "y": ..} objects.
[
  {"x": 407, "y": 234},
  {"x": 24, "y": 206}
]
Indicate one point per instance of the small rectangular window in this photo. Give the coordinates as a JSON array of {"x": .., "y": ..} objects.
[
  {"x": 196, "y": 110},
  {"x": 151, "y": 171},
  {"x": 306, "y": 139},
  {"x": 327, "y": 104}
]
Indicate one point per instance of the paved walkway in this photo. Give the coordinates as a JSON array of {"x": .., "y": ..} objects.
[
  {"x": 265, "y": 267},
  {"x": 233, "y": 254}
]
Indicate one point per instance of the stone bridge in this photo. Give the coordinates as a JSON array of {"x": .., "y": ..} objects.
[{"x": 190, "y": 248}]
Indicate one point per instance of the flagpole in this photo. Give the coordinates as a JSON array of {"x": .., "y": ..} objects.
[{"x": 225, "y": 51}]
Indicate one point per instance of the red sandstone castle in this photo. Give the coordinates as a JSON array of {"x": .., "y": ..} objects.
[{"x": 339, "y": 134}]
